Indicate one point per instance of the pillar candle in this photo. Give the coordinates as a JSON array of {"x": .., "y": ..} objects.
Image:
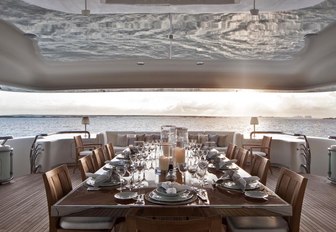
[
  {"x": 179, "y": 155},
  {"x": 163, "y": 163}
]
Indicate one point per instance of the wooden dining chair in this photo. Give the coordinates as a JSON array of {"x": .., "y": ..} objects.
[
  {"x": 260, "y": 166},
  {"x": 241, "y": 157},
  {"x": 263, "y": 149},
  {"x": 83, "y": 149},
  {"x": 98, "y": 158},
  {"x": 57, "y": 184},
  {"x": 230, "y": 152},
  {"x": 140, "y": 221},
  {"x": 290, "y": 187},
  {"x": 86, "y": 165},
  {"x": 109, "y": 151}
]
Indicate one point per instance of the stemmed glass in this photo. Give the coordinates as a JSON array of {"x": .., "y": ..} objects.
[
  {"x": 130, "y": 178},
  {"x": 183, "y": 167},
  {"x": 192, "y": 169},
  {"x": 202, "y": 170},
  {"x": 140, "y": 165},
  {"x": 121, "y": 171}
]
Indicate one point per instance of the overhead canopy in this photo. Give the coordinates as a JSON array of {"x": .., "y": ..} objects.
[
  {"x": 71, "y": 52},
  {"x": 170, "y": 6}
]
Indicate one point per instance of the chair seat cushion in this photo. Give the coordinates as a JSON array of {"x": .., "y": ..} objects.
[
  {"x": 262, "y": 223},
  {"x": 259, "y": 153},
  {"x": 87, "y": 223},
  {"x": 85, "y": 153}
]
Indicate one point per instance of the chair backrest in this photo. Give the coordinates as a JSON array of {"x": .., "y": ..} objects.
[
  {"x": 98, "y": 157},
  {"x": 241, "y": 157},
  {"x": 291, "y": 187},
  {"x": 109, "y": 151},
  {"x": 266, "y": 146},
  {"x": 230, "y": 152},
  {"x": 57, "y": 183},
  {"x": 154, "y": 223},
  {"x": 86, "y": 165},
  {"x": 259, "y": 167}
]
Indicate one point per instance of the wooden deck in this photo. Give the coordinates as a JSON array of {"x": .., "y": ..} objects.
[{"x": 23, "y": 204}]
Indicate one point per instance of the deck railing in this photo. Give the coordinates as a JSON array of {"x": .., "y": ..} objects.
[
  {"x": 36, "y": 148},
  {"x": 304, "y": 148}
]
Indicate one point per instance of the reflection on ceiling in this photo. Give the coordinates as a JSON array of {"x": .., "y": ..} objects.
[
  {"x": 170, "y": 6},
  {"x": 268, "y": 36}
]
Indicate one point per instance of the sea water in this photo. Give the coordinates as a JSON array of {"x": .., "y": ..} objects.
[{"x": 31, "y": 126}]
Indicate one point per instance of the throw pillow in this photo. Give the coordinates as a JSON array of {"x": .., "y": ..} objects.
[
  {"x": 122, "y": 140},
  {"x": 222, "y": 141}
]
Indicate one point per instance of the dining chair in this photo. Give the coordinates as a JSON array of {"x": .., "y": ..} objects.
[
  {"x": 241, "y": 157},
  {"x": 259, "y": 167},
  {"x": 290, "y": 187},
  {"x": 83, "y": 149},
  {"x": 230, "y": 152},
  {"x": 98, "y": 158},
  {"x": 86, "y": 165},
  {"x": 139, "y": 221},
  {"x": 57, "y": 184},
  {"x": 109, "y": 151},
  {"x": 263, "y": 149}
]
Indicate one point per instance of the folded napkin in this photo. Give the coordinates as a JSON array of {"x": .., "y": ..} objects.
[
  {"x": 99, "y": 179},
  {"x": 115, "y": 162},
  {"x": 173, "y": 187},
  {"x": 212, "y": 154},
  {"x": 225, "y": 163},
  {"x": 242, "y": 182}
]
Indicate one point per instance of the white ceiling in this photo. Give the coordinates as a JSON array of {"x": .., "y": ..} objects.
[
  {"x": 171, "y": 6},
  {"x": 23, "y": 66}
]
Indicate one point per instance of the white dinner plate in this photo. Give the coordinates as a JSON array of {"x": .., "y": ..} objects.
[
  {"x": 232, "y": 185},
  {"x": 162, "y": 192},
  {"x": 125, "y": 195},
  {"x": 187, "y": 195},
  {"x": 256, "y": 194}
]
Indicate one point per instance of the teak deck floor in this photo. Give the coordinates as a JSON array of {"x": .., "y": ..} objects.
[{"x": 23, "y": 204}]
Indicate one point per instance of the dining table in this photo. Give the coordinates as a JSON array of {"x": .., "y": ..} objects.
[{"x": 212, "y": 195}]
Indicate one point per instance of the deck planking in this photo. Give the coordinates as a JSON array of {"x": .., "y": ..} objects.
[{"x": 23, "y": 204}]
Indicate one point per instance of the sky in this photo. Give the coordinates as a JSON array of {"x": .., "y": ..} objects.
[{"x": 235, "y": 103}]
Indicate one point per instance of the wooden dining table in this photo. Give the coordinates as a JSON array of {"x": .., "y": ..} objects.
[{"x": 226, "y": 202}]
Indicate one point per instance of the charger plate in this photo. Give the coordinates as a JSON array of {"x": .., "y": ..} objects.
[
  {"x": 229, "y": 184},
  {"x": 181, "y": 199}
]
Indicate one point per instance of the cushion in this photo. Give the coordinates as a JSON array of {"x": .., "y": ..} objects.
[
  {"x": 122, "y": 141},
  {"x": 148, "y": 138},
  {"x": 213, "y": 138},
  {"x": 156, "y": 137},
  {"x": 203, "y": 138},
  {"x": 85, "y": 153},
  {"x": 193, "y": 138},
  {"x": 221, "y": 142},
  {"x": 140, "y": 137},
  {"x": 131, "y": 138},
  {"x": 87, "y": 223},
  {"x": 253, "y": 224}
]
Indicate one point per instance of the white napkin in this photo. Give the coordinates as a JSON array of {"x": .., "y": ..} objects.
[
  {"x": 213, "y": 153},
  {"x": 173, "y": 187},
  {"x": 115, "y": 162},
  {"x": 97, "y": 179},
  {"x": 226, "y": 163},
  {"x": 242, "y": 182}
]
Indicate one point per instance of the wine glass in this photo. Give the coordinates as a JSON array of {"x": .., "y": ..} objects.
[
  {"x": 201, "y": 174},
  {"x": 121, "y": 171},
  {"x": 130, "y": 178},
  {"x": 183, "y": 167}
]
